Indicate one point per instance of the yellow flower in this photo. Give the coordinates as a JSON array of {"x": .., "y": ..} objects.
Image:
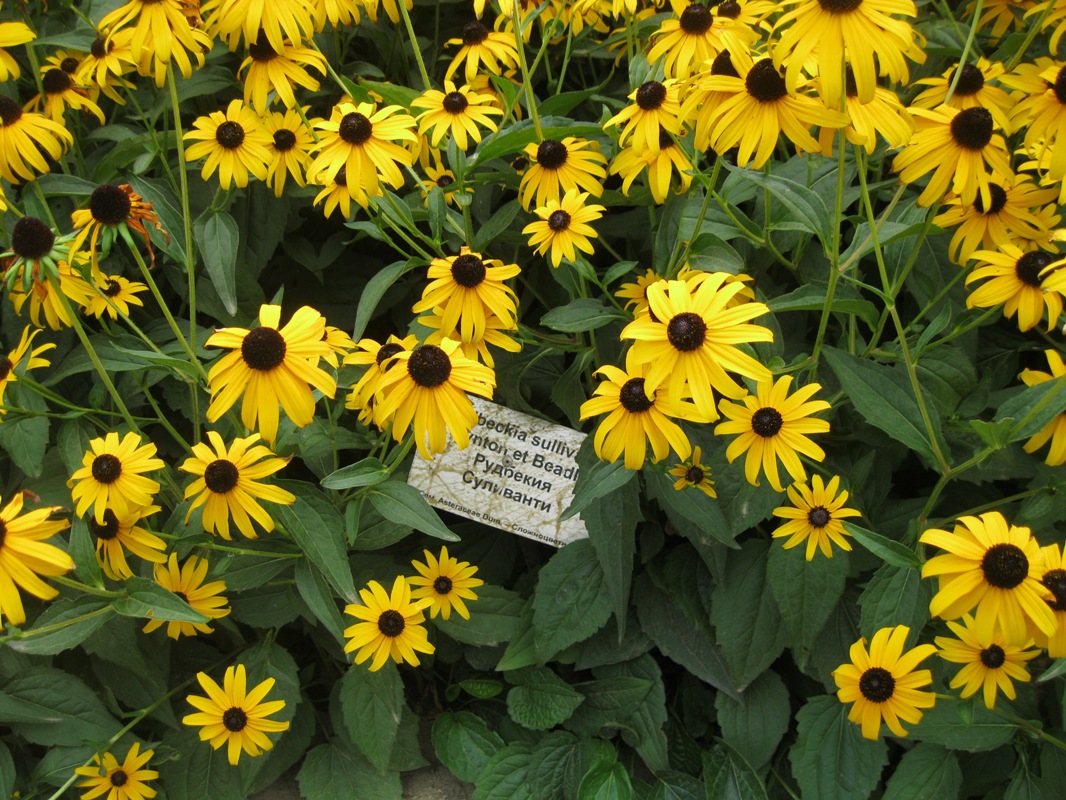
[
  {"x": 111, "y": 476},
  {"x": 113, "y": 211},
  {"x": 233, "y": 716},
  {"x": 61, "y": 92},
  {"x": 25, "y": 139},
  {"x": 563, "y": 227},
  {"x": 10, "y": 363},
  {"x": 1053, "y": 580},
  {"x": 692, "y": 473},
  {"x": 390, "y": 625},
  {"x": 289, "y": 147},
  {"x": 972, "y": 90},
  {"x": 187, "y": 581},
  {"x": 115, "y": 536},
  {"x": 631, "y": 161},
  {"x": 114, "y": 296},
  {"x": 446, "y": 581},
  {"x": 278, "y": 70},
  {"x": 276, "y": 20},
  {"x": 110, "y": 57},
  {"x": 24, "y": 556},
  {"x": 12, "y": 34},
  {"x": 558, "y": 166},
  {"x": 161, "y": 35},
  {"x": 814, "y": 517},
  {"x": 883, "y": 683},
  {"x": 234, "y": 143},
  {"x": 991, "y": 661},
  {"x": 883, "y": 115},
  {"x": 1017, "y": 281},
  {"x": 366, "y": 393},
  {"x": 1054, "y": 431},
  {"x": 455, "y": 111},
  {"x": 655, "y": 108},
  {"x": 480, "y": 46},
  {"x": 469, "y": 288},
  {"x": 476, "y": 349},
  {"x": 125, "y": 781}
]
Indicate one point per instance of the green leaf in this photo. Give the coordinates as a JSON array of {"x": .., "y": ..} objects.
[
  {"x": 393, "y": 93},
  {"x": 318, "y": 529},
  {"x": 565, "y": 102},
  {"x": 331, "y": 772},
  {"x": 164, "y": 203},
  {"x": 464, "y": 743},
  {"x": 314, "y": 590},
  {"x": 806, "y": 592},
  {"x": 691, "y": 506},
  {"x": 811, "y": 297},
  {"x": 571, "y": 601},
  {"x": 964, "y": 725},
  {"x": 25, "y": 439},
  {"x": 74, "y": 620},
  {"x": 515, "y": 137},
  {"x": 200, "y": 771},
  {"x": 504, "y": 776},
  {"x": 218, "y": 238},
  {"x": 145, "y": 598},
  {"x": 830, "y": 759},
  {"x": 480, "y": 688},
  {"x": 367, "y": 472},
  {"x": 552, "y": 758},
  {"x": 375, "y": 289},
  {"x": 1034, "y": 407},
  {"x": 1027, "y": 786},
  {"x": 541, "y": 700},
  {"x": 885, "y": 400},
  {"x": 522, "y": 648},
  {"x": 494, "y": 618},
  {"x": 70, "y": 185},
  {"x": 804, "y": 204},
  {"x": 745, "y": 615},
  {"x": 7, "y": 771},
  {"x": 595, "y": 479},
  {"x": 609, "y": 702},
  {"x": 755, "y": 724},
  {"x": 83, "y": 552},
  {"x": 611, "y": 522},
  {"x": 372, "y": 705},
  {"x": 605, "y": 782},
  {"x": 894, "y": 596},
  {"x": 926, "y": 772},
  {"x": 727, "y": 776},
  {"x": 486, "y": 234},
  {"x": 49, "y": 707},
  {"x": 675, "y": 785},
  {"x": 402, "y": 503},
  {"x": 583, "y": 314},
  {"x": 888, "y": 550},
  {"x": 644, "y": 729}
]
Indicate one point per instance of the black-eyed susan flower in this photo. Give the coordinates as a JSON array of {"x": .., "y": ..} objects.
[
  {"x": 772, "y": 426},
  {"x": 234, "y": 20},
  {"x": 161, "y": 35},
  {"x": 392, "y": 9},
  {"x": 232, "y": 715},
  {"x": 997, "y": 16},
  {"x": 112, "y": 476},
  {"x": 440, "y": 177},
  {"x": 754, "y": 108},
  {"x": 234, "y": 143},
  {"x": 468, "y": 287},
  {"x": 110, "y": 57},
  {"x": 390, "y": 625},
  {"x": 1018, "y": 214},
  {"x": 1040, "y": 110},
  {"x": 563, "y": 227},
  {"x": 338, "y": 13},
  {"x": 480, "y": 46},
  {"x": 655, "y": 107},
  {"x": 289, "y": 147},
  {"x": 636, "y": 417},
  {"x": 43, "y": 298},
  {"x": 106, "y": 778},
  {"x": 636, "y": 294},
  {"x": 1055, "y": 431},
  {"x": 700, "y": 33},
  {"x": 270, "y": 366},
  {"x": 1018, "y": 282},
  {"x": 114, "y": 296},
  {"x": 994, "y": 568},
  {"x": 340, "y": 344},
  {"x": 336, "y": 194},
  {"x": 12, "y": 34},
  {"x": 25, "y": 139},
  {"x": 60, "y": 93},
  {"x": 278, "y": 70},
  {"x": 864, "y": 33},
  {"x": 187, "y": 581},
  {"x": 426, "y": 389},
  {"x": 690, "y": 340},
  {"x": 631, "y": 162},
  {"x": 973, "y": 89},
  {"x": 228, "y": 484},
  {"x": 1054, "y": 16},
  {"x": 883, "y": 684},
  {"x": 1053, "y": 580},
  {"x": 35, "y": 253},
  {"x": 446, "y": 581},
  {"x": 960, "y": 148},
  {"x": 25, "y": 557},
  {"x": 992, "y": 663},
  {"x": 698, "y": 107},
  {"x": 362, "y": 139},
  {"x": 22, "y": 358},
  {"x": 883, "y": 115},
  {"x": 378, "y": 359},
  {"x": 113, "y": 211},
  {"x": 692, "y": 473},
  {"x": 457, "y": 111},
  {"x": 558, "y": 166},
  {"x": 115, "y": 535},
  {"x": 495, "y": 334},
  {"x": 814, "y": 517}
]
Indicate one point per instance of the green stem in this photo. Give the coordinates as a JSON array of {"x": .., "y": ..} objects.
[
  {"x": 59, "y": 625},
  {"x": 834, "y": 254},
  {"x": 426, "y": 85},
  {"x": 70, "y": 583},
  {"x": 186, "y": 218},
  {"x": 1030, "y": 35},
  {"x": 965, "y": 50},
  {"x": 526, "y": 84}
]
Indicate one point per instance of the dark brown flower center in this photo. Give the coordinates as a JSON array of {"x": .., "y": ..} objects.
[
  {"x": 3, "y": 533},
  {"x": 234, "y": 719},
  {"x": 342, "y": 177},
  {"x": 230, "y": 135},
  {"x": 454, "y": 103},
  {"x": 766, "y": 422},
  {"x": 993, "y": 656},
  {"x": 558, "y": 221},
  {"x": 850, "y": 89},
  {"x": 31, "y": 238},
  {"x": 101, "y": 47},
  {"x": 730, "y": 9},
  {"x": 694, "y": 475},
  {"x": 385, "y": 352},
  {"x": 551, "y": 154},
  {"x": 5, "y": 367},
  {"x": 764, "y": 82},
  {"x": 261, "y": 50},
  {"x": 877, "y": 685},
  {"x": 106, "y": 530},
  {"x": 106, "y": 468},
  {"x": 263, "y": 349},
  {"x": 444, "y": 181},
  {"x": 1030, "y": 265},
  {"x": 69, "y": 65},
  {"x": 429, "y": 366},
  {"x": 355, "y": 128},
  {"x": 184, "y": 597},
  {"x": 112, "y": 288},
  {"x": 696, "y": 20},
  {"x": 118, "y": 778},
  {"x": 1055, "y": 582},
  {"x": 651, "y": 95},
  {"x": 468, "y": 270},
  {"x": 1060, "y": 86},
  {"x": 972, "y": 128},
  {"x": 723, "y": 65},
  {"x": 10, "y": 111},
  {"x": 109, "y": 204},
  {"x": 686, "y": 331},
  {"x": 818, "y": 517},
  {"x": 284, "y": 140},
  {"x": 665, "y": 139},
  {"x": 442, "y": 585},
  {"x": 1005, "y": 566},
  {"x": 56, "y": 81},
  {"x": 999, "y": 199},
  {"x": 633, "y": 397},
  {"x": 391, "y": 623},
  {"x": 221, "y": 476},
  {"x": 971, "y": 81},
  {"x": 474, "y": 33},
  {"x": 840, "y": 6}
]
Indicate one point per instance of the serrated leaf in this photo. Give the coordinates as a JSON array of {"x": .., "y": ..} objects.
[
  {"x": 611, "y": 522},
  {"x": 806, "y": 592},
  {"x": 482, "y": 689},
  {"x": 505, "y": 775},
  {"x": 755, "y": 724},
  {"x": 979, "y": 730},
  {"x": 894, "y": 596},
  {"x": 318, "y": 530},
  {"x": 727, "y": 776},
  {"x": 609, "y": 702},
  {"x": 691, "y": 505},
  {"x": 330, "y": 772},
  {"x": 830, "y": 759},
  {"x": 571, "y": 601},
  {"x": 50, "y": 707},
  {"x": 582, "y": 314},
  {"x": 464, "y": 743},
  {"x": 605, "y": 782},
  {"x": 494, "y": 617},
  {"x": 542, "y": 699},
  {"x": 926, "y": 772},
  {"x": 372, "y": 705}
]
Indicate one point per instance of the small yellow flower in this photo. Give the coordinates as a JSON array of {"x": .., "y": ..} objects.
[
  {"x": 814, "y": 517},
  {"x": 390, "y": 625},
  {"x": 991, "y": 661},
  {"x": 692, "y": 473},
  {"x": 562, "y": 227},
  {"x": 446, "y": 581}
]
